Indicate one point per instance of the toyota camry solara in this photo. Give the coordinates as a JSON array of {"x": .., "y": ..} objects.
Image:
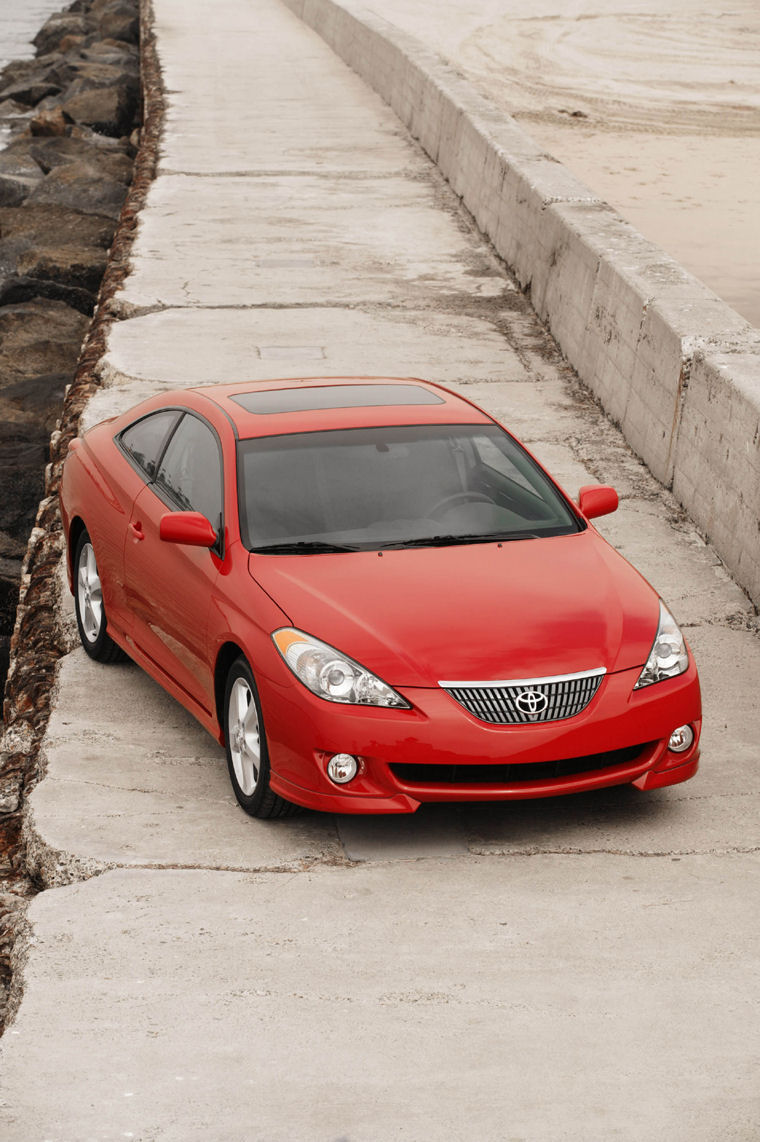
[{"x": 373, "y": 596}]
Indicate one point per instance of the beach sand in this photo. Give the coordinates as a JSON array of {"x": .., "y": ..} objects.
[{"x": 658, "y": 111}]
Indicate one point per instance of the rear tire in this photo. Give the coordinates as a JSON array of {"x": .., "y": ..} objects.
[
  {"x": 88, "y": 603},
  {"x": 246, "y": 745}
]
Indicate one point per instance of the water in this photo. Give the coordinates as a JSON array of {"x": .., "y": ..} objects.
[{"x": 20, "y": 20}]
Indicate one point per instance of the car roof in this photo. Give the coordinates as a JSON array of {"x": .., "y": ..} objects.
[{"x": 312, "y": 404}]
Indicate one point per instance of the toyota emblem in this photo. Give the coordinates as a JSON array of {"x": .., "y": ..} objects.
[{"x": 531, "y": 702}]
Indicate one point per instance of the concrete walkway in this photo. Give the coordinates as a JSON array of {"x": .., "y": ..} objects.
[{"x": 576, "y": 969}]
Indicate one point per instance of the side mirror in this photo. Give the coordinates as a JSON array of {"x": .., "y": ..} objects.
[
  {"x": 190, "y": 528},
  {"x": 597, "y": 499}
]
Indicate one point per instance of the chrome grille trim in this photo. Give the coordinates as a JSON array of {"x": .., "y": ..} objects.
[{"x": 556, "y": 698}]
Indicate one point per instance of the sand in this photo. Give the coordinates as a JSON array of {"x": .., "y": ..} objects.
[{"x": 656, "y": 108}]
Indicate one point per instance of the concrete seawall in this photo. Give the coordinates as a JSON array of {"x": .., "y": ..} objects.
[{"x": 671, "y": 363}]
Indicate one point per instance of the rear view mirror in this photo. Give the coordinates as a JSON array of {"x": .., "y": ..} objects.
[
  {"x": 190, "y": 528},
  {"x": 597, "y": 499}
]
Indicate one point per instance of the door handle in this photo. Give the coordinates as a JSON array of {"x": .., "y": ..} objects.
[{"x": 137, "y": 531}]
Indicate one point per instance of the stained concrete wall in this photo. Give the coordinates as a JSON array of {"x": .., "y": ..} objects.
[{"x": 671, "y": 363}]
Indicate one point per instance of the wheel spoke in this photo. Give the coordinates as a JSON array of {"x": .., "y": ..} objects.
[
  {"x": 90, "y": 621},
  {"x": 242, "y": 701},
  {"x": 243, "y": 730},
  {"x": 249, "y": 771}
]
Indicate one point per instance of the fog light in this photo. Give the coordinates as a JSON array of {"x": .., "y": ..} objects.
[
  {"x": 342, "y": 768},
  {"x": 681, "y": 739}
]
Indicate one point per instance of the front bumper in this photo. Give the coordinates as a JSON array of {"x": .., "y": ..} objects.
[{"x": 631, "y": 728}]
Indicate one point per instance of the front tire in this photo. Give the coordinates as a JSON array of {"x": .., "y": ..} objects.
[
  {"x": 246, "y": 744},
  {"x": 88, "y": 603}
]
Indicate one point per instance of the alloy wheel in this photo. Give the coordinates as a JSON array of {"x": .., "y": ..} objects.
[{"x": 90, "y": 593}]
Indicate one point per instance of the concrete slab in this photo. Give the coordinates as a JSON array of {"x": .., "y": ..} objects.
[
  {"x": 434, "y": 832},
  {"x": 191, "y": 346},
  {"x": 559, "y": 999},
  {"x": 300, "y": 239},
  {"x": 292, "y": 88},
  {"x": 132, "y": 779}
]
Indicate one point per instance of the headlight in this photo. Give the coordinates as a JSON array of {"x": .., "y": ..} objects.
[
  {"x": 330, "y": 674},
  {"x": 668, "y": 656}
]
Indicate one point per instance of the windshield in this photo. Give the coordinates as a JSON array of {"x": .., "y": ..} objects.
[{"x": 412, "y": 485}]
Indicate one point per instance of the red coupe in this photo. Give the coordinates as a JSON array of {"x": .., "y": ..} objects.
[{"x": 373, "y": 596}]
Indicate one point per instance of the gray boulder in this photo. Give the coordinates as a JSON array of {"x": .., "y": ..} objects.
[
  {"x": 58, "y": 26},
  {"x": 19, "y": 175},
  {"x": 57, "y": 152},
  {"x": 108, "y": 110},
  {"x": 81, "y": 186}
]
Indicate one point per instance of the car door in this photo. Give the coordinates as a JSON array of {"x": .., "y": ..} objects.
[
  {"x": 169, "y": 585},
  {"x": 119, "y": 485}
]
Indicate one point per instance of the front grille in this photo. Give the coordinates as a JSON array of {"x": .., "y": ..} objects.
[
  {"x": 531, "y": 771},
  {"x": 530, "y": 700}
]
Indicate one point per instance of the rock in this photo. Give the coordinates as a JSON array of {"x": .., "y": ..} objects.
[
  {"x": 78, "y": 268},
  {"x": 58, "y": 26},
  {"x": 53, "y": 225},
  {"x": 51, "y": 122},
  {"x": 102, "y": 142},
  {"x": 18, "y": 70},
  {"x": 86, "y": 74},
  {"x": 11, "y": 109},
  {"x": 39, "y": 347},
  {"x": 32, "y": 90},
  {"x": 119, "y": 21},
  {"x": 24, "y": 450},
  {"x": 35, "y": 400},
  {"x": 108, "y": 110},
  {"x": 52, "y": 153},
  {"x": 72, "y": 43},
  {"x": 81, "y": 186},
  {"x": 10, "y": 548},
  {"x": 38, "y": 338},
  {"x": 63, "y": 180},
  {"x": 19, "y": 175},
  {"x": 17, "y": 289},
  {"x": 114, "y": 52}
]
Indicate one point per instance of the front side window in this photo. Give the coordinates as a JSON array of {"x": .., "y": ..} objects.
[
  {"x": 410, "y": 485},
  {"x": 190, "y": 472},
  {"x": 144, "y": 440}
]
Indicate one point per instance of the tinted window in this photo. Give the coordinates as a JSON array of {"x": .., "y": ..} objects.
[
  {"x": 312, "y": 397},
  {"x": 191, "y": 470},
  {"x": 144, "y": 440},
  {"x": 372, "y": 487}
]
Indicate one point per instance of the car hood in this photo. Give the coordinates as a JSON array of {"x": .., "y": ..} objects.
[{"x": 418, "y": 616}]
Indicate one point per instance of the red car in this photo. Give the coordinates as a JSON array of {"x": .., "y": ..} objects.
[{"x": 374, "y": 596}]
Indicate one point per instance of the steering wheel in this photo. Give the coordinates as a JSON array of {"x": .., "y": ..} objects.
[{"x": 458, "y": 498}]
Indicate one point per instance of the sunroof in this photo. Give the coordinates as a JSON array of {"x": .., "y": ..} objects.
[{"x": 307, "y": 398}]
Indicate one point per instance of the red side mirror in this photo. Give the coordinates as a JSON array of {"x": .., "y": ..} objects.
[
  {"x": 597, "y": 499},
  {"x": 191, "y": 528}
]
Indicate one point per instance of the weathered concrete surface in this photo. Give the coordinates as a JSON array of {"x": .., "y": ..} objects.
[
  {"x": 579, "y": 968},
  {"x": 632, "y": 322},
  {"x": 444, "y": 1000}
]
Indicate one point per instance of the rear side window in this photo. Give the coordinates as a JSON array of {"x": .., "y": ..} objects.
[
  {"x": 144, "y": 441},
  {"x": 191, "y": 470}
]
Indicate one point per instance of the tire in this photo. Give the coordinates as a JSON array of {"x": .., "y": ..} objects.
[
  {"x": 246, "y": 745},
  {"x": 88, "y": 603}
]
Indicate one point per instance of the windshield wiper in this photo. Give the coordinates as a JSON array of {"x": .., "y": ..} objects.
[
  {"x": 451, "y": 540},
  {"x": 303, "y": 547}
]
